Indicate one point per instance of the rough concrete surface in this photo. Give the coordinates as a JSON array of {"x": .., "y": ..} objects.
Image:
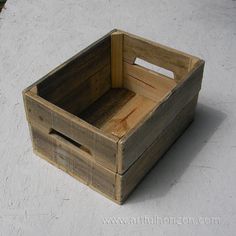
[{"x": 192, "y": 189}]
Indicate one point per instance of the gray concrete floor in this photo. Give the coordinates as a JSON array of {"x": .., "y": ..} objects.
[{"x": 192, "y": 189}]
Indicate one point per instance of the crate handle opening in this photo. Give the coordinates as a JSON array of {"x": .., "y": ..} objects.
[
  {"x": 154, "y": 68},
  {"x": 66, "y": 139}
]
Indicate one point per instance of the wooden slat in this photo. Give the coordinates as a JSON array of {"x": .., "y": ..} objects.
[
  {"x": 68, "y": 62},
  {"x": 46, "y": 115},
  {"x": 72, "y": 74},
  {"x": 117, "y": 59},
  {"x": 147, "y": 130},
  {"x": 118, "y": 111},
  {"x": 74, "y": 162},
  {"x": 128, "y": 116},
  {"x": 127, "y": 182},
  {"x": 156, "y": 54},
  {"x": 147, "y": 83},
  {"x": 106, "y": 106},
  {"x": 87, "y": 92}
]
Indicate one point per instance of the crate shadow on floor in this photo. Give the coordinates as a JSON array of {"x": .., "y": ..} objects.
[{"x": 171, "y": 167}]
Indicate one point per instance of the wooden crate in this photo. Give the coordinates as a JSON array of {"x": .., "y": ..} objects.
[{"x": 106, "y": 120}]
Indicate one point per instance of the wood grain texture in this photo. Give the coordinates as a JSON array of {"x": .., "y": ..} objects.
[
  {"x": 147, "y": 130},
  {"x": 86, "y": 92},
  {"x": 129, "y": 115},
  {"x": 127, "y": 182},
  {"x": 147, "y": 83},
  {"x": 112, "y": 185},
  {"x": 117, "y": 59},
  {"x": 68, "y": 62},
  {"x": 118, "y": 111},
  {"x": 106, "y": 106},
  {"x": 71, "y": 75},
  {"x": 48, "y": 116},
  {"x": 73, "y": 161},
  {"x": 105, "y": 120},
  {"x": 157, "y": 54}
]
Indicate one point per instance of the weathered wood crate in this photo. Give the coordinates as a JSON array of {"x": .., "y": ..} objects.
[{"x": 106, "y": 120}]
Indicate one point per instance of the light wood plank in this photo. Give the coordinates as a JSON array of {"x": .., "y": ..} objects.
[
  {"x": 147, "y": 83},
  {"x": 118, "y": 111},
  {"x": 117, "y": 59},
  {"x": 127, "y": 182},
  {"x": 147, "y": 130},
  {"x": 156, "y": 54},
  {"x": 128, "y": 116}
]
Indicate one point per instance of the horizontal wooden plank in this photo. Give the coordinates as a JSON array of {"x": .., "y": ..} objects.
[
  {"x": 106, "y": 106},
  {"x": 132, "y": 145},
  {"x": 127, "y": 182},
  {"x": 58, "y": 68},
  {"x": 147, "y": 83},
  {"x": 118, "y": 111},
  {"x": 46, "y": 115},
  {"x": 128, "y": 116},
  {"x": 59, "y": 84},
  {"x": 157, "y": 54},
  {"x": 74, "y": 162},
  {"x": 87, "y": 92}
]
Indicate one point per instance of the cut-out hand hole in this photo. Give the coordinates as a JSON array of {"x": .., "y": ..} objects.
[
  {"x": 64, "y": 138},
  {"x": 154, "y": 68}
]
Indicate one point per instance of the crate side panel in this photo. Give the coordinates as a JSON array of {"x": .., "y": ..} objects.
[
  {"x": 63, "y": 82},
  {"x": 162, "y": 143},
  {"x": 74, "y": 163},
  {"x": 136, "y": 142},
  {"x": 147, "y": 83},
  {"x": 87, "y": 92},
  {"x": 135, "y": 47},
  {"x": 48, "y": 116}
]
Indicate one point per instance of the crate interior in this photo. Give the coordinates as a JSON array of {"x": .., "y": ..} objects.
[{"x": 104, "y": 86}]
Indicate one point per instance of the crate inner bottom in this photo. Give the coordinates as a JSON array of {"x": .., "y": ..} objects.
[{"x": 118, "y": 111}]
